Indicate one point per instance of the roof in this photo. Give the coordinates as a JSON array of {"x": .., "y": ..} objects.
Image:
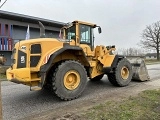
[{"x": 29, "y": 19}]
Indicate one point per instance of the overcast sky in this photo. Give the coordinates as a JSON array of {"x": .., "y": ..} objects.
[{"x": 122, "y": 21}]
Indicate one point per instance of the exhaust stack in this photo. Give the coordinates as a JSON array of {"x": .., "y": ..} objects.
[{"x": 42, "y": 30}]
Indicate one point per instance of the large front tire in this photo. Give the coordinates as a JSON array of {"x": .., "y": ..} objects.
[
  {"x": 122, "y": 75},
  {"x": 69, "y": 80}
]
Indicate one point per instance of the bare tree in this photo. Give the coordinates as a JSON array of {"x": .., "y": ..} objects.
[{"x": 151, "y": 38}]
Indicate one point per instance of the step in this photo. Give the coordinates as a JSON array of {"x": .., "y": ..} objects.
[{"x": 35, "y": 88}]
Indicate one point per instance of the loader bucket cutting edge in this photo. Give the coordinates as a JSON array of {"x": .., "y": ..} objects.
[{"x": 139, "y": 69}]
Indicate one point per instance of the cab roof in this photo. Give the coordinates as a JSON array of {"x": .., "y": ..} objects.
[{"x": 85, "y": 23}]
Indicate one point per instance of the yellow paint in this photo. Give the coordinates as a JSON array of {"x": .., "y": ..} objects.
[
  {"x": 21, "y": 74},
  {"x": 96, "y": 70},
  {"x": 106, "y": 60},
  {"x": 71, "y": 80},
  {"x": 85, "y": 23},
  {"x": 87, "y": 50},
  {"x": 124, "y": 73},
  {"x": 92, "y": 63}
]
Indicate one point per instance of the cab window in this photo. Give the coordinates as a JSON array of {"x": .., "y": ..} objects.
[
  {"x": 85, "y": 34},
  {"x": 71, "y": 33}
]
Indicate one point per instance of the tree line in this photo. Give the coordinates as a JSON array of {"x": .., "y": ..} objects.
[
  {"x": 131, "y": 51},
  {"x": 150, "y": 40}
]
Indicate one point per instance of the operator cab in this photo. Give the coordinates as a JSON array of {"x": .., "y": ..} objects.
[{"x": 81, "y": 32}]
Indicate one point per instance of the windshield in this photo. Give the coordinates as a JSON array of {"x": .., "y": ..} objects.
[{"x": 86, "y": 34}]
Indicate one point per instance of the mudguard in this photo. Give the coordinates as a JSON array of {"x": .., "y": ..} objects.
[
  {"x": 113, "y": 65},
  {"x": 45, "y": 67}
]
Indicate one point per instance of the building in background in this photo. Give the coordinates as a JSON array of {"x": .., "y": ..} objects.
[
  {"x": 151, "y": 56},
  {"x": 13, "y": 28}
]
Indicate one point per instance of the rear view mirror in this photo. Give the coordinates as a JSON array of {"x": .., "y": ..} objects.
[{"x": 99, "y": 30}]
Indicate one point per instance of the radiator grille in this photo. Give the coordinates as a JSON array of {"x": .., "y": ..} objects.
[
  {"x": 34, "y": 60},
  {"x": 35, "y": 49}
]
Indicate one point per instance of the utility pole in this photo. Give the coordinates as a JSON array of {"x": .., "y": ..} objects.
[
  {"x": 0, "y": 102},
  {"x": 1, "y": 117},
  {"x": 0, "y": 98},
  {"x": 2, "y": 3}
]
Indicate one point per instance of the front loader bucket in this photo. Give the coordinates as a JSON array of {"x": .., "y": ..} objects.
[{"x": 139, "y": 69}]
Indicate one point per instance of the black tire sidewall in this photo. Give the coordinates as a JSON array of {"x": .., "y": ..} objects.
[
  {"x": 120, "y": 80},
  {"x": 61, "y": 90}
]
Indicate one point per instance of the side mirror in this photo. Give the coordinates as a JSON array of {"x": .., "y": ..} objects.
[{"x": 99, "y": 30}]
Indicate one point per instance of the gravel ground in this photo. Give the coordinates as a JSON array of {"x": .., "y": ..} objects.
[{"x": 20, "y": 103}]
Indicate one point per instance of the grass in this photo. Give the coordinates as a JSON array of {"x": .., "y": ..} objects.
[
  {"x": 146, "y": 106},
  {"x": 3, "y": 72},
  {"x": 151, "y": 61},
  {"x": 2, "y": 76}
]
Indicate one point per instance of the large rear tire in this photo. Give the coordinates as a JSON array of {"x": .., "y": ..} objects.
[
  {"x": 69, "y": 80},
  {"x": 122, "y": 75},
  {"x": 48, "y": 82}
]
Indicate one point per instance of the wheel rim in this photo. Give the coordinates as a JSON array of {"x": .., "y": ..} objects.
[
  {"x": 124, "y": 73},
  {"x": 71, "y": 80}
]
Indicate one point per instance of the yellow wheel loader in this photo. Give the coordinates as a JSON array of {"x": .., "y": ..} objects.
[{"x": 64, "y": 64}]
